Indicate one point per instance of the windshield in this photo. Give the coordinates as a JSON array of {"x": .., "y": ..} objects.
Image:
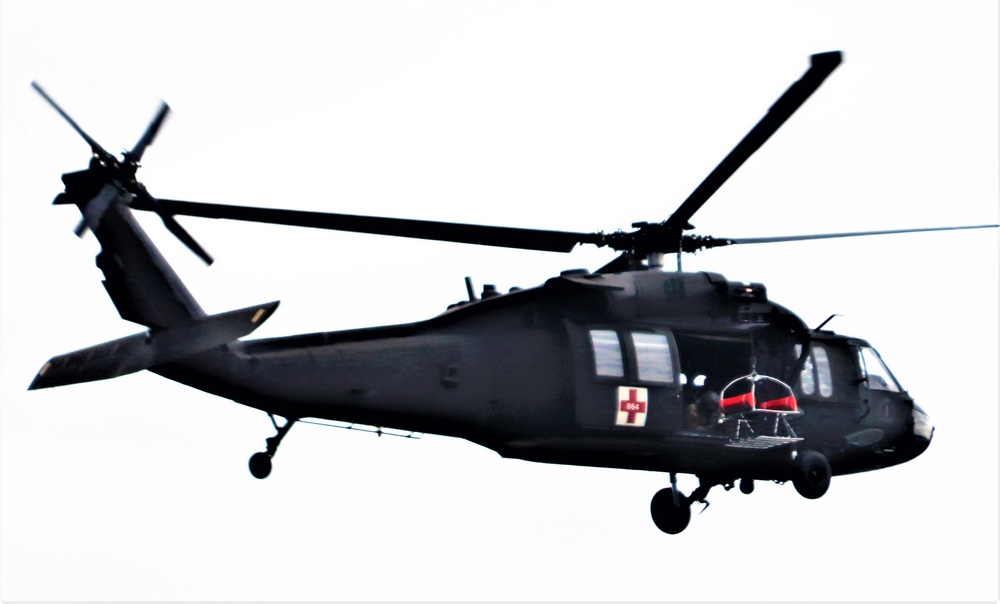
[{"x": 877, "y": 374}]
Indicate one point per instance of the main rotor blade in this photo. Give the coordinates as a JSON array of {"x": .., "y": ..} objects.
[
  {"x": 821, "y": 66},
  {"x": 747, "y": 240},
  {"x": 150, "y": 134},
  {"x": 95, "y": 148},
  {"x": 510, "y": 237},
  {"x": 621, "y": 263}
]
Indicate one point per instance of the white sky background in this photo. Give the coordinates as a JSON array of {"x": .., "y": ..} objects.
[{"x": 577, "y": 116}]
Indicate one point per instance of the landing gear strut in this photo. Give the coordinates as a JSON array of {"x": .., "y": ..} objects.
[
  {"x": 671, "y": 509},
  {"x": 260, "y": 463}
]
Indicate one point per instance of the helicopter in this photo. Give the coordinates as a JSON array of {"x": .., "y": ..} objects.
[{"x": 629, "y": 366}]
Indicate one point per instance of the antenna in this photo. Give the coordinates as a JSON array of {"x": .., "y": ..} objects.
[
  {"x": 469, "y": 289},
  {"x": 828, "y": 319}
]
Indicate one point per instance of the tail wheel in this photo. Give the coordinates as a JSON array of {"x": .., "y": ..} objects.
[
  {"x": 260, "y": 465},
  {"x": 813, "y": 475},
  {"x": 670, "y": 516}
]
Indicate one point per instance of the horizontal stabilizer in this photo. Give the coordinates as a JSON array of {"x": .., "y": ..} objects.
[{"x": 148, "y": 349}]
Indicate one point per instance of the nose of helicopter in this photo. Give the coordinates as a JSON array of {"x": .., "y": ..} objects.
[{"x": 920, "y": 438}]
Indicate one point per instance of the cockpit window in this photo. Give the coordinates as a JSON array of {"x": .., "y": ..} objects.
[
  {"x": 816, "y": 371},
  {"x": 607, "y": 353},
  {"x": 808, "y": 375},
  {"x": 823, "y": 371},
  {"x": 877, "y": 375},
  {"x": 652, "y": 356}
]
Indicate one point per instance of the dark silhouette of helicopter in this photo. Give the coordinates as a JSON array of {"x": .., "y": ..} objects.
[{"x": 629, "y": 366}]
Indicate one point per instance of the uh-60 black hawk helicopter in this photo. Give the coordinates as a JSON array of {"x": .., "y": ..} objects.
[{"x": 626, "y": 367}]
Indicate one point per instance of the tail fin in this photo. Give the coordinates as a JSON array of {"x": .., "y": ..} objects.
[
  {"x": 140, "y": 282},
  {"x": 151, "y": 348}
]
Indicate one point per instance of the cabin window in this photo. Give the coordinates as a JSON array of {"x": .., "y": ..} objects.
[
  {"x": 877, "y": 375},
  {"x": 652, "y": 357},
  {"x": 816, "y": 372},
  {"x": 607, "y": 353}
]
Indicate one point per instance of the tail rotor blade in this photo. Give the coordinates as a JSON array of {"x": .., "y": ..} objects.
[
  {"x": 94, "y": 147},
  {"x": 149, "y": 135},
  {"x": 95, "y": 209},
  {"x": 175, "y": 227},
  {"x": 81, "y": 228},
  {"x": 144, "y": 201},
  {"x": 125, "y": 173}
]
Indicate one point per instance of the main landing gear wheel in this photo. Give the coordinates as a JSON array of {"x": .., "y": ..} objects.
[
  {"x": 260, "y": 463},
  {"x": 671, "y": 513},
  {"x": 813, "y": 475}
]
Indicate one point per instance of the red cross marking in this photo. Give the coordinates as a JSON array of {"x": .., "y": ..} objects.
[{"x": 633, "y": 406}]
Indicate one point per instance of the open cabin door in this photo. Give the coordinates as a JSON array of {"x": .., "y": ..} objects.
[
  {"x": 710, "y": 360},
  {"x": 626, "y": 379}
]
